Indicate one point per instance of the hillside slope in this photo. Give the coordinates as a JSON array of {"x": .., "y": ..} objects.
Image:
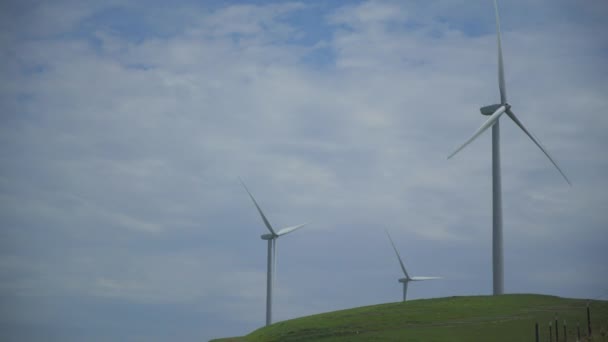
[{"x": 476, "y": 318}]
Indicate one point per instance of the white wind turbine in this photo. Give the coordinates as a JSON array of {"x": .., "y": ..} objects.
[
  {"x": 495, "y": 111},
  {"x": 271, "y": 260},
  {"x": 407, "y": 278}
]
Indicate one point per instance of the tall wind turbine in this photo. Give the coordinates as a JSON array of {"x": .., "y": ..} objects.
[
  {"x": 495, "y": 111},
  {"x": 407, "y": 278},
  {"x": 271, "y": 260}
]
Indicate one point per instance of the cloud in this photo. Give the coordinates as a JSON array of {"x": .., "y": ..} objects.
[
  {"x": 251, "y": 20},
  {"x": 120, "y": 156}
]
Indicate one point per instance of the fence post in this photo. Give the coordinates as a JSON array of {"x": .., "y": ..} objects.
[
  {"x": 556, "y": 330},
  {"x": 536, "y": 331},
  {"x": 588, "y": 320},
  {"x": 550, "y": 333},
  {"x": 578, "y": 331},
  {"x": 565, "y": 332}
]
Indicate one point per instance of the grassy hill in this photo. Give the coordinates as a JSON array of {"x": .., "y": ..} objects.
[{"x": 476, "y": 318}]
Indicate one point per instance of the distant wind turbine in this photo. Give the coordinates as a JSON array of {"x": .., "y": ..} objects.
[
  {"x": 271, "y": 261},
  {"x": 407, "y": 278},
  {"x": 495, "y": 111}
]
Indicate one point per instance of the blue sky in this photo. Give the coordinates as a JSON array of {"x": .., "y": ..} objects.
[{"x": 126, "y": 124}]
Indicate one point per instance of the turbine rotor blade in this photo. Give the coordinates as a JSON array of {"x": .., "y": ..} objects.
[
  {"x": 259, "y": 210},
  {"x": 491, "y": 120},
  {"x": 531, "y": 136},
  {"x": 398, "y": 256},
  {"x": 290, "y": 229},
  {"x": 425, "y": 278},
  {"x": 501, "y": 72}
]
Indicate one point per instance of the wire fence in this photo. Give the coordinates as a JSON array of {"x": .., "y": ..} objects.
[{"x": 558, "y": 330}]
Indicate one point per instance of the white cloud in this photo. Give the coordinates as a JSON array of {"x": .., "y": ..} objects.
[{"x": 129, "y": 151}]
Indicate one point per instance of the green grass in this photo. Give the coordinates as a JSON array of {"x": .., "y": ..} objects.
[{"x": 477, "y": 318}]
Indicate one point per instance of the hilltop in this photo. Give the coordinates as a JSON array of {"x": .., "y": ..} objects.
[{"x": 471, "y": 318}]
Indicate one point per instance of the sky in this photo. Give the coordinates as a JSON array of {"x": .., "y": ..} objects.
[{"x": 125, "y": 126}]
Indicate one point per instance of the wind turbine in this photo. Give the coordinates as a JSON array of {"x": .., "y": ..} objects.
[
  {"x": 495, "y": 111},
  {"x": 407, "y": 278},
  {"x": 271, "y": 260}
]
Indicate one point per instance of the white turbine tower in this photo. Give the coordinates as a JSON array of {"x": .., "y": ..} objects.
[
  {"x": 271, "y": 260},
  {"x": 407, "y": 278},
  {"x": 495, "y": 111}
]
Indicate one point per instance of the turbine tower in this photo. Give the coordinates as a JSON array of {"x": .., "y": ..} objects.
[
  {"x": 271, "y": 259},
  {"x": 495, "y": 111},
  {"x": 407, "y": 278}
]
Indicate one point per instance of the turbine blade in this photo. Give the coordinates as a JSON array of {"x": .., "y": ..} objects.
[
  {"x": 425, "y": 278},
  {"x": 259, "y": 210},
  {"x": 531, "y": 136},
  {"x": 290, "y": 229},
  {"x": 398, "y": 256},
  {"x": 501, "y": 70},
  {"x": 491, "y": 120}
]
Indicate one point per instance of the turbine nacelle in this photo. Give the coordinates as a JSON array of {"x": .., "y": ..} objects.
[
  {"x": 268, "y": 236},
  {"x": 491, "y": 109},
  {"x": 404, "y": 280}
]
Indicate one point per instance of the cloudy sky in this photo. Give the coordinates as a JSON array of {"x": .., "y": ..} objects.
[{"x": 124, "y": 126}]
